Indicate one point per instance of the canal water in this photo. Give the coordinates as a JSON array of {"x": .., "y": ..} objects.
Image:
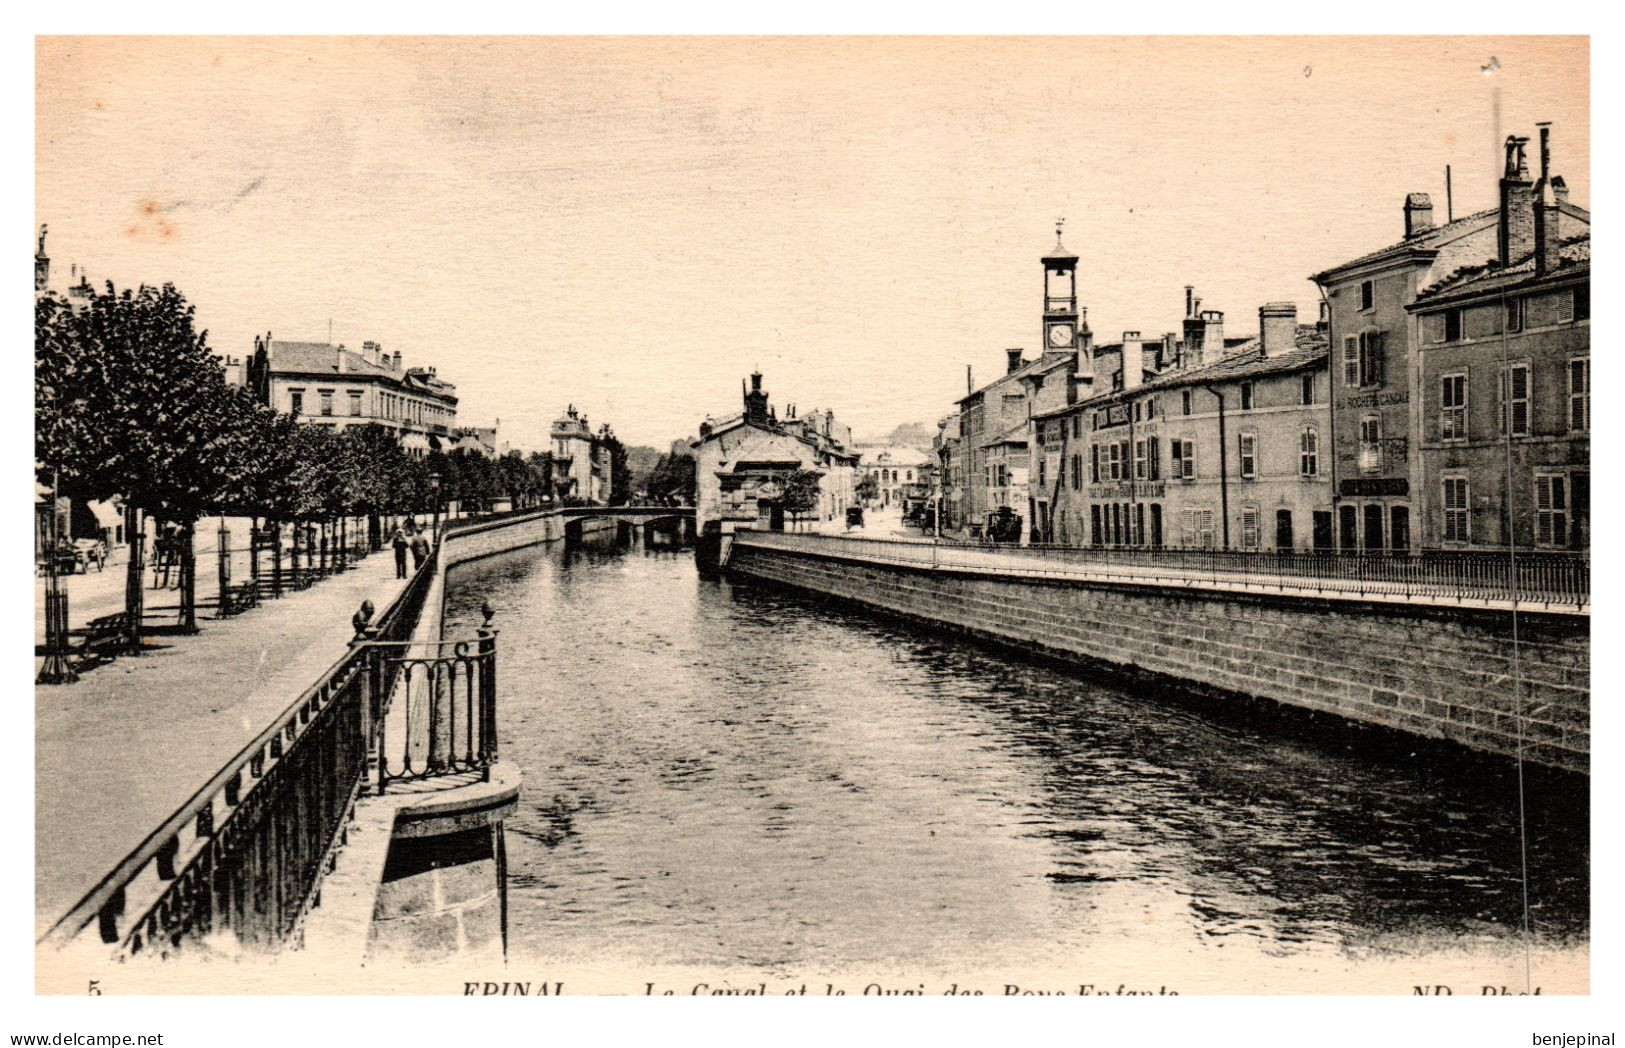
[{"x": 727, "y": 777}]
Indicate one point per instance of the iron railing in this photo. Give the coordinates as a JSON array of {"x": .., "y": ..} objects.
[
  {"x": 439, "y": 711},
  {"x": 245, "y": 855},
  {"x": 1547, "y": 580}
]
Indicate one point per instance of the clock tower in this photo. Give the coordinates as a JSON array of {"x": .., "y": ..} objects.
[{"x": 1061, "y": 328}]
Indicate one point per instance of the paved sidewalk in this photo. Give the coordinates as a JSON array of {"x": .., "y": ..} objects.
[{"x": 120, "y": 750}]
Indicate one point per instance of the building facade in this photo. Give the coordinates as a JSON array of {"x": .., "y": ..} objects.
[
  {"x": 743, "y": 463},
  {"x": 1378, "y": 397},
  {"x": 1219, "y": 450},
  {"x": 577, "y": 471},
  {"x": 1504, "y": 357},
  {"x": 327, "y": 385},
  {"x": 891, "y": 470}
]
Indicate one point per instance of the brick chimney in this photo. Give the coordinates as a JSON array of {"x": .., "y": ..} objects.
[
  {"x": 1277, "y": 328},
  {"x": 1014, "y": 361},
  {"x": 1418, "y": 215},
  {"x": 1517, "y": 220},
  {"x": 1548, "y": 222},
  {"x": 370, "y": 352}
]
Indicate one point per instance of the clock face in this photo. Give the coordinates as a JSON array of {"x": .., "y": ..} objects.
[{"x": 1060, "y": 335}]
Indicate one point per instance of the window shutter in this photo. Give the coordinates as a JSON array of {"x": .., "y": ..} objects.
[
  {"x": 1351, "y": 365},
  {"x": 1565, "y": 306}
]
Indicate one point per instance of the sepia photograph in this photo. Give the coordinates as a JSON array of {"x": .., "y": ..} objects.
[{"x": 812, "y": 516}]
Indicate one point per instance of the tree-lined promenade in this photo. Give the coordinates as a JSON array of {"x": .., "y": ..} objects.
[{"x": 131, "y": 403}]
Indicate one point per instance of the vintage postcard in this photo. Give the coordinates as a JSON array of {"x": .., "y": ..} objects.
[{"x": 826, "y": 516}]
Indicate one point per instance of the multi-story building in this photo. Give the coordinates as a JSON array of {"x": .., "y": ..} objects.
[
  {"x": 576, "y": 470},
  {"x": 1504, "y": 357},
  {"x": 1377, "y": 405},
  {"x": 743, "y": 463},
  {"x": 1220, "y": 448},
  {"x": 892, "y": 469},
  {"x": 328, "y": 385}
]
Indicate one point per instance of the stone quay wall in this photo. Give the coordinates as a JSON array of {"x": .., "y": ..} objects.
[{"x": 1443, "y": 673}]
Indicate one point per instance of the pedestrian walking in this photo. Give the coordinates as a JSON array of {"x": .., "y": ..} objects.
[
  {"x": 399, "y": 543},
  {"x": 420, "y": 549}
]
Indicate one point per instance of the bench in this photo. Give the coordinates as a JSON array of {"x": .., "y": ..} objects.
[
  {"x": 109, "y": 629},
  {"x": 238, "y": 599}
]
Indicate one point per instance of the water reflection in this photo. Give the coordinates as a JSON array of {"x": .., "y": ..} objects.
[{"x": 727, "y": 775}]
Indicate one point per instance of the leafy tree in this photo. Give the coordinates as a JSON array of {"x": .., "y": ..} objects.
[
  {"x": 801, "y": 493},
  {"x": 673, "y": 477}
]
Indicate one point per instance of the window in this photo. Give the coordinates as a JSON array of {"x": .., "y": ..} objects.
[
  {"x": 1514, "y": 314},
  {"x": 1306, "y": 394},
  {"x": 1582, "y": 302},
  {"x": 1094, "y": 464},
  {"x": 1367, "y": 295},
  {"x": 1455, "y": 509},
  {"x": 1094, "y": 524},
  {"x": 1114, "y": 467},
  {"x": 1580, "y": 395},
  {"x": 1249, "y": 455},
  {"x": 1139, "y": 460},
  {"x": 1309, "y": 452},
  {"x": 1077, "y": 426},
  {"x": 1452, "y": 325},
  {"x": 1246, "y": 396},
  {"x": 1154, "y": 466},
  {"x": 1137, "y": 411},
  {"x": 1516, "y": 421},
  {"x": 1351, "y": 360},
  {"x": 1371, "y": 362},
  {"x": 1249, "y": 526},
  {"x": 1042, "y": 462},
  {"x": 1433, "y": 327},
  {"x": 327, "y": 401},
  {"x": 1565, "y": 307},
  {"x": 1176, "y": 458},
  {"x": 355, "y": 404},
  {"x": 1183, "y": 454},
  {"x": 1371, "y": 444},
  {"x": 1204, "y": 528},
  {"x": 296, "y": 402},
  {"x": 1185, "y": 402},
  {"x": 1453, "y": 407},
  {"x": 1151, "y": 409},
  {"x": 1551, "y": 509}
]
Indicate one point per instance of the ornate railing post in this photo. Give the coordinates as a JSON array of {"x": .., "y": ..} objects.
[{"x": 488, "y": 692}]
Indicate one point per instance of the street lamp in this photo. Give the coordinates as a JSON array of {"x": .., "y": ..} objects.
[{"x": 434, "y": 493}]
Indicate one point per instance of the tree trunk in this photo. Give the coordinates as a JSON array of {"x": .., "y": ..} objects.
[
  {"x": 375, "y": 532},
  {"x": 275, "y": 527},
  {"x": 134, "y": 595},
  {"x": 188, "y": 580}
]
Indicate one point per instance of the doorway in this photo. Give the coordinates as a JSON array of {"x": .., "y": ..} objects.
[{"x": 1283, "y": 530}]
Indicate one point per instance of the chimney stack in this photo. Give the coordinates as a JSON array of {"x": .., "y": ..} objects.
[
  {"x": 1517, "y": 224},
  {"x": 1277, "y": 328},
  {"x": 1212, "y": 336},
  {"x": 970, "y": 387},
  {"x": 1418, "y": 215},
  {"x": 1133, "y": 357},
  {"x": 1014, "y": 358},
  {"x": 1547, "y": 222}
]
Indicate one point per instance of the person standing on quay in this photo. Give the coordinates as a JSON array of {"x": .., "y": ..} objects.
[
  {"x": 398, "y": 543},
  {"x": 420, "y": 549}
]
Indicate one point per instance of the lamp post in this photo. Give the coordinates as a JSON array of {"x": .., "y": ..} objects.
[{"x": 434, "y": 493}]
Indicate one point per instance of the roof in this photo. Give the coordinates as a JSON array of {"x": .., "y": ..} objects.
[
  {"x": 1246, "y": 362},
  {"x": 1016, "y": 434},
  {"x": 1423, "y": 242},
  {"x": 322, "y": 357},
  {"x": 1059, "y": 251},
  {"x": 1573, "y": 258},
  {"x": 1027, "y": 369}
]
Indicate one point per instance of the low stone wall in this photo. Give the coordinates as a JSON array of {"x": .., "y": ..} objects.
[{"x": 1440, "y": 673}]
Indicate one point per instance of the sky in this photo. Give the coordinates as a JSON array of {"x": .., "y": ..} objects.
[{"x": 631, "y": 225}]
